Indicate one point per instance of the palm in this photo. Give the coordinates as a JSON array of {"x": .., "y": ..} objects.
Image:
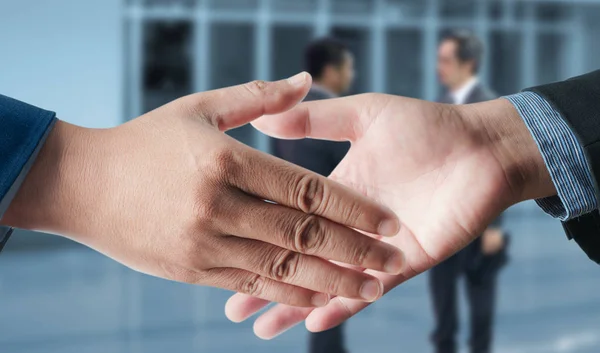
[
  {"x": 431, "y": 172},
  {"x": 422, "y": 160}
]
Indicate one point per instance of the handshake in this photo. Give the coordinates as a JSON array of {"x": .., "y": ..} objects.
[{"x": 169, "y": 194}]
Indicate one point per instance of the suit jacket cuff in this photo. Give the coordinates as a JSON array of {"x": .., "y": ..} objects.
[
  {"x": 563, "y": 155},
  {"x": 24, "y": 129}
]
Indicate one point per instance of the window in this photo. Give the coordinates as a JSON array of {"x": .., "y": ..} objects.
[
  {"x": 289, "y": 43},
  {"x": 404, "y": 67},
  {"x": 232, "y": 63},
  {"x": 167, "y": 62},
  {"x": 505, "y": 62}
]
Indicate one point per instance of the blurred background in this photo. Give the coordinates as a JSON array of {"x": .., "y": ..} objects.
[{"x": 100, "y": 63}]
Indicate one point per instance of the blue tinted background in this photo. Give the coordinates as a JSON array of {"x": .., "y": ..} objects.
[{"x": 99, "y": 63}]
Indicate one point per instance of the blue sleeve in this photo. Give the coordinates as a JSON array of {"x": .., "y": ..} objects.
[
  {"x": 563, "y": 155},
  {"x": 23, "y": 130}
]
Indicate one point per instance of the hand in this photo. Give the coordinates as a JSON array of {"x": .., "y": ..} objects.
[
  {"x": 447, "y": 171},
  {"x": 169, "y": 194}
]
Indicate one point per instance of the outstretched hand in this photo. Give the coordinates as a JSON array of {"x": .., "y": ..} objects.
[
  {"x": 447, "y": 171},
  {"x": 169, "y": 194}
]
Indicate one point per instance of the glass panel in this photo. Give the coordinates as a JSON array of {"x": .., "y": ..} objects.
[
  {"x": 167, "y": 62},
  {"x": 404, "y": 66},
  {"x": 590, "y": 38},
  {"x": 232, "y": 62},
  {"x": 360, "y": 7},
  {"x": 496, "y": 9},
  {"x": 453, "y": 9},
  {"x": 233, "y": 4},
  {"x": 295, "y": 5},
  {"x": 358, "y": 41},
  {"x": 505, "y": 64},
  {"x": 398, "y": 9},
  {"x": 169, "y": 3},
  {"x": 550, "y": 49},
  {"x": 521, "y": 9},
  {"x": 552, "y": 12},
  {"x": 289, "y": 43}
]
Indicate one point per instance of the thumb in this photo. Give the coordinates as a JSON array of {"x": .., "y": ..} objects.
[
  {"x": 332, "y": 119},
  {"x": 230, "y": 107}
]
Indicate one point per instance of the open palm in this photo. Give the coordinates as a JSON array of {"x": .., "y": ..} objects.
[{"x": 428, "y": 162}]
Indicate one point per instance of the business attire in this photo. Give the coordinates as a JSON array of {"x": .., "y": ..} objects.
[
  {"x": 480, "y": 270},
  {"x": 563, "y": 120},
  {"x": 320, "y": 157},
  {"x": 23, "y": 130}
]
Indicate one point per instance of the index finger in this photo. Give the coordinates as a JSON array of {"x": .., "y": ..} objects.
[
  {"x": 292, "y": 186},
  {"x": 336, "y": 119}
]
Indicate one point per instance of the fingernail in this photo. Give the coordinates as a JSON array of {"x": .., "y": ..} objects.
[
  {"x": 389, "y": 227},
  {"x": 298, "y": 80},
  {"x": 371, "y": 290},
  {"x": 320, "y": 299},
  {"x": 394, "y": 264}
]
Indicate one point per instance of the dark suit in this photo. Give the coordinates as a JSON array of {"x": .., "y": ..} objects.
[
  {"x": 480, "y": 272},
  {"x": 577, "y": 100},
  {"x": 320, "y": 157}
]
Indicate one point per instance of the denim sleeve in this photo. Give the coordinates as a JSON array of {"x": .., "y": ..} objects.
[
  {"x": 23, "y": 130},
  {"x": 563, "y": 155}
]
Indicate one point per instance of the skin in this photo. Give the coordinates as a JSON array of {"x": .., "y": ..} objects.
[
  {"x": 169, "y": 194},
  {"x": 454, "y": 74},
  {"x": 446, "y": 170},
  {"x": 338, "y": 78}
]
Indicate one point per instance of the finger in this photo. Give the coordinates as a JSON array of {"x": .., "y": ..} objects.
[
  {"x": 261, "y": 287},
  {"x": 333, "y": 119},
  {"x": 279, "y": 319},
  {"x": 309, "y": 234},
  {"x": 231, "y": 107},
  {"x": 270, "y": 178},
  {"x": 341, "y": 309},
  {"x": 301, "y": 270},
  {"x": 240, "y": 307}
]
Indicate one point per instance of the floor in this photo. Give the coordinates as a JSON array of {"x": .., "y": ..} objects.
[{"x": 69, "y": 299}]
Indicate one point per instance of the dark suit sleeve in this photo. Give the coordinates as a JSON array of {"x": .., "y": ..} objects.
[
  {"x": 578, "y": 102},
  {"x": 23, "y": 129}
]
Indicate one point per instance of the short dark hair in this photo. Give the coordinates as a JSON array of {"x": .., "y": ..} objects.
[
  {"x": 468, "y": 47},
  {"x": 323, "y": 52}
]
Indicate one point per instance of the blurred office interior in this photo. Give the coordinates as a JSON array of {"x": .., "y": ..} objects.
[{"x": 100, "y": 63}]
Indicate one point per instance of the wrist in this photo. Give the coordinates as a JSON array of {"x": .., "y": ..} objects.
[
  {"x": 53, "y": 192},
  {"x": 511, "y": 143}
]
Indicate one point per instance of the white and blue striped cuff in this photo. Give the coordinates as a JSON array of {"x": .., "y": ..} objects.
[{"x": 563, "y": 155}]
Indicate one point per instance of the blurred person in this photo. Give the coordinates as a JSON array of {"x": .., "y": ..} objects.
[
  {"x": 169, "y": 194},
  {"x": 331, "y": 64},
  {"x": 459, "y": 59},
  {"x": 448, "y": 171}
]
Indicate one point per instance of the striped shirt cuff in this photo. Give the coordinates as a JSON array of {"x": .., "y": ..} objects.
[{"x": 563, "y": 155}]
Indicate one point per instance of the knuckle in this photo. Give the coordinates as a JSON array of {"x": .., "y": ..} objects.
[
  {"x": 253, "y": 285},
  {"x": 225, "y": 162},
  {"x": 257, "y": 88},
  {"x": 361, "y": 253},
  {"x": 285, "y": 266},
  {"x": 353, "y": 211},
  {"x": 333, "y": 286},
  {"x": 207, "y": 211},
  {"x": 310, "y": 194},
  {"x": 309, "y": 235}
]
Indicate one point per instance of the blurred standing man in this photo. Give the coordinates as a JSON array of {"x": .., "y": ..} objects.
[
  {"x": 331, "y": 65},
  {"x": 459, "y": 57}
]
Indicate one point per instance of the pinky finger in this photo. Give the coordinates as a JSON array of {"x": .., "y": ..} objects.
[
  {"x": 261, "y": 287},
  {"x": 240, "y": 307}
]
